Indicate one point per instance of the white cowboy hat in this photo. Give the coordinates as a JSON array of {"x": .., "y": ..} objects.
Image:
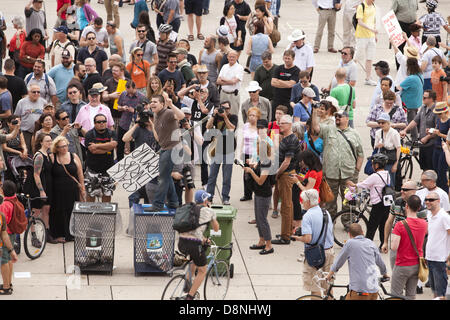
[
  {"x": 296, "y": 35},
  {"x": 253, "y": 86}
]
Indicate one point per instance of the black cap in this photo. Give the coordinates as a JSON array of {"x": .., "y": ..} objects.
[
  {"x": 381, "y": 64},
  {"x": 262, "y": 123}
]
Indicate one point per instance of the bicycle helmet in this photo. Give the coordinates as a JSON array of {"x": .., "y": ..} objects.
[
  {"x": 379, "y": 158},
  {"x": 431, "y": 4},
  {"x": 165, "y": 28}
]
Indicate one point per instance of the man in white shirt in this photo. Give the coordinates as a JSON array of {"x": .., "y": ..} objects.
[
  {"x": 304, "y": 57},
  {"x": 61, "y": 43},
  {"x": 100, "y": 33},
  {"x": 230, "y": 78},
  {"x": 428, "y": 180},
  {"x": 327, "y": 15},
  {"x": 348, "y": 33},
  {"x": 438, "y": 245}
]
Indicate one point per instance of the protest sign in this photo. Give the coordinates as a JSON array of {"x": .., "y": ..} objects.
[
  {"x": 393, "y": 28},
  {"x": 136, "y": 169}
]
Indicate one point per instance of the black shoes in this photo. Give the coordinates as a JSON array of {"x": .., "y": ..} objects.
[
  {"x": 281, "y": 241},
  {"x": 264, "y": 251},
  {"x": 419, "y": 290}
]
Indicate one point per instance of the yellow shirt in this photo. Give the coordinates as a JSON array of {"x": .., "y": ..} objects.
[{"x": 368, "y": 17}]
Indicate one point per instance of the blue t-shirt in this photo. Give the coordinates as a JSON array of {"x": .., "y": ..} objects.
[
  {"x": 443, "y": 128},
  {"x": 296, "y": 93},
  {"x": 5, "y": 101},
  {"x": 82, "y": 21},
  {"x": 61, "y": 76},
  {"x": 300, "y": 111},
  {"x": 412, "y": 92},
  {"x": 318, "y": 145},
  {"x": 165, "y": 75},
  {"x": 312, "y": 224}
]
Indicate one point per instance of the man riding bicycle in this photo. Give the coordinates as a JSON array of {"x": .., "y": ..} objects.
[{"x": 192, "y": 243}]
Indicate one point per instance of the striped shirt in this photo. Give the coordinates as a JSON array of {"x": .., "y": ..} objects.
[{"x": 163, "y": 54}]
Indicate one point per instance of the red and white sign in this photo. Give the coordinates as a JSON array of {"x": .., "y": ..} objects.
[{"x": 393, "y": 28}]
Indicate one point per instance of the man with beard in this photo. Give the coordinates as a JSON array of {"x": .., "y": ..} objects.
[
  {"x": 46, "y": 84},
  {"x": 149, "y": 48},
  {"x": 62, "y": 74},
  {"x": 211, "y": 57}
]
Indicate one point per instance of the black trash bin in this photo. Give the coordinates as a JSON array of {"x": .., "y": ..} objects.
[
  {"x": 154, "y": 240},
  {"x": 93, "y": 226}
]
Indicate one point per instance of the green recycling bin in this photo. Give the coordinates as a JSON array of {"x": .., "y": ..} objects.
[{"x": 225, "y": 216}]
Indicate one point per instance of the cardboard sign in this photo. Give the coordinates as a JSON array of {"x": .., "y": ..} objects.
[
  {"x": 393, "y": 28},
  {"x": 136, "y": 169}
]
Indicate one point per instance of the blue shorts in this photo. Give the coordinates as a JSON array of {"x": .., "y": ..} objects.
[{"x": 438, "y": 277}]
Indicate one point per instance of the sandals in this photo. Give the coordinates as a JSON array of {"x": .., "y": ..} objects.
[
  {"x": 200, "y": 36},
  {"x": 10, "y": 286},
  {"x": 6, "y": 292},
  {"x": 256, "y": 247},
  {"x": 191, "y": 37}
]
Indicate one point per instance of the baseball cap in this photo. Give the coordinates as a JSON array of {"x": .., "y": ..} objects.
[
  {"x": 262, "y": 123},
  {"x": 66, "y": 54},
  {"x": 381, "y": 64},
  {"x": 384, "y": 117},
  {"x": 93, "y": 91},
  {"x": 201, "y": 196},
  {"x": 342, "y": 113},
  {"x": 62, "y": 29},
  {"x": 181, "y": 50},
  {"x": 309, "y": 92}
]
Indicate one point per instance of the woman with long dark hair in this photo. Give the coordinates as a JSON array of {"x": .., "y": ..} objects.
[
  {"x": 31, "y": 50},
  {"x": 235, "y": 31},
  {"x": 144, "y": 19}
]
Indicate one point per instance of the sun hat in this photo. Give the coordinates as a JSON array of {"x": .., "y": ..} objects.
[
  {"x": 441, "y": 107},
  {"x": 253, "y": 86},
  {"x": 296, "y": 35}
]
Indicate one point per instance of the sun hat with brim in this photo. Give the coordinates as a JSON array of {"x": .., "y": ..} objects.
[
  {"x": 186, "y": 110},
  {"x": 384, "y": 117},
  {"x": 411, "y": 52},
  {"x": 296, "y": 35},
  {"x": 202, "y": 68},
  {"x": 334, "y": 103},
  {"x": 180, "y": 50},
  {"x": 253, "y": 86},
  {"x": 136, "y": 49},
  {"x": 441, "y": 107},
  {"x": 99, "y": 86},
  {"x": 222, "y": 31}
]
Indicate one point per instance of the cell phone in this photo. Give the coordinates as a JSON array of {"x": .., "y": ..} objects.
[{"x": 238, "y": 162}]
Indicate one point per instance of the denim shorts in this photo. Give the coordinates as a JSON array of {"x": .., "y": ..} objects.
[{"x": 438, "y": 277}]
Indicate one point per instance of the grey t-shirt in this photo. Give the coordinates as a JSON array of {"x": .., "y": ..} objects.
[
  {"x": 101, "y": 35},
  {"x": 351, "y": 75},
  {"x": 35, "y": 19},
  {"x": 29, "y": 112},
  {"x": 171, "y": 5},
  {"x": 149, "y": 49},
  {"x": 206, "y": 215}
]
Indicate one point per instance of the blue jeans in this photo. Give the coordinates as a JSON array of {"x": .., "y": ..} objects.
[
  {"x": 278, "y": 6},
  {"x": 441, "y": 168},
  {"x": 227, "y": 170},
  {"x": 388, "y": 168},
  {"x": 438, "y": 277},
  {"x": 427, "y": 84},
  {"x": 166, "y": 187},
  {"x": 206, "y": 4}
]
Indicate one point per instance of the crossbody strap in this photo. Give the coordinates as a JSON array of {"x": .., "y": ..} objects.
[
  {"x": 324, "y": 227},
  {"x": 349, "y": 143},
  {"x": 306, "y": 109},
  {"x": 349, "y": 98},
  {"x": 67, "y": 172},
  {"x": 405, "y": 223},
  {"x": 381, "y": 198},
  {"x": 311, "y": 143}
]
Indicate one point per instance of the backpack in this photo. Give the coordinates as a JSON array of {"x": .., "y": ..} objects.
[
  {"x": 70, "y": 43},
  {"x": 387, "y": 193},
  {"x": 47, "y": 82},
  {"x": 187, "y": 218},
  {"x": 354, "y": 20},
  {"x": 19, "y": 221}
]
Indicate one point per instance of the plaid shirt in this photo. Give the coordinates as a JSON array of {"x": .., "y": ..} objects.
[{"x": 398, "y": 117}]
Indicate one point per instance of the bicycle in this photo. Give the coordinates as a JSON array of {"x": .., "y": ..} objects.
[
  {"x": 35, "y": 237},
  {"x": 407, "y": 154},
  {"x": 217, "y": 277},
  {"x": 353, "y": 214},
  {"x": 328, "y": 294}
]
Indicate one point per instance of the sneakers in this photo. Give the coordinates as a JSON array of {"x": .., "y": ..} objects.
[
  {"x": 204, "y": 186},
  {"x": 419, "y": 290},
  {"x": 301, "y": 258},
  {"x": 370, "y": 82},
  {"x": 275, "y": 214},
  {"x": 226, "y": 202}
]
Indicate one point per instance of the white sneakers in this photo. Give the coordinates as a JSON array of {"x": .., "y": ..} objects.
[{"x": 370, "y": 82}]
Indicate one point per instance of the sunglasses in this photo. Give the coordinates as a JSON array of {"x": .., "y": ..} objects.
[
  {"x": 35, "y": 92},
  {"x": 72, "y": 92},
  {"x": 91, "y": 38},
  {"x": 65, "y": 118},
  {"x": 100, "y": 121},
  {"x": 406, "y": 189},
  {"x": 142, "y": 31},
  {"x": 431, "y": 200},
  {"x": 344, "y": 53},
  {"x": 140, "y": 55},
  {"x": 63, "y": 146},
  {"x": 303, "y": 81}
]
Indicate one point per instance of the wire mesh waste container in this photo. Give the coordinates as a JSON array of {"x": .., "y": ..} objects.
[
  {"x": 225, "y": 216},
  {"x": 93, "y": 225},
  {"x": 154, "y": 240}
]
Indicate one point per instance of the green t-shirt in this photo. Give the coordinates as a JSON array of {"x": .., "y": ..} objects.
[{"x": 341, "y": 93}]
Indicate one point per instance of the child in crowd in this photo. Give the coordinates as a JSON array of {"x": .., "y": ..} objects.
[
  {"x": 440, "y": 87},
  {"x": 432, "y": 22}
]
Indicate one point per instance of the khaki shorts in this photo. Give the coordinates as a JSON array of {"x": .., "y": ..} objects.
[
  {"x": 365, "y": 47},
  {"x": 309, "y": 272}
]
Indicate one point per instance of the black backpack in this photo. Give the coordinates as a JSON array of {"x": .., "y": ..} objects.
[
  {"x": 387, "y": 193},
  {"x": 354, "y": 20},
  {"x": 70, "y": 43},
  {"x": 187, "y": 218}
]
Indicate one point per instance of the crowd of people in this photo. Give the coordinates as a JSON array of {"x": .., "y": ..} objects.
[{"x": 66, "y": 120}]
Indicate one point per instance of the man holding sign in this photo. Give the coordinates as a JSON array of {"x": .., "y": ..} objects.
[{"x": 115, "y": 86}]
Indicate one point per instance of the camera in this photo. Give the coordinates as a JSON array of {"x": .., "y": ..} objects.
[
  {"x": 14, "y": 122},
  {"x": 315, "y": 105},
  {"x": 444, "y": 79},
  {"x": 298, "y": 232},
  {"x": 183, "y": 121},
  {"x": 221, "y": 110},
  {"x": 144, "y": 115},
  {"x": 238, "y": 162},
  {"x": 187, "y": 178},
  {"x": 197, "y": 88}
]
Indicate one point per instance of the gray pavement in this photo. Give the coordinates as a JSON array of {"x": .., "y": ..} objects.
[{"x": 271, "y": 277}]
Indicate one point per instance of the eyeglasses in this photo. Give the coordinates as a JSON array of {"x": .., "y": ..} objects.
[
  {"x": 430, "y": 199},
  {"x": 426, "y": 97},
  {"x": 65, "y": 118},
  {"x": 285, "y": 122},
  {"x": 73, "y": 92},
  {"x": 100, "y": 121},
  {"x": 252, "y": 91},
  {"x": 406, "y": 189},
  {"x": 63, "y": 146},
  {"x": 91, "y": 38},
  {"x": 303, "y": 81},
  {"x": 140, "y": 55},
  {"x": 142, "y": 31},
  {"x": 344, "y": 53},
  {"x": 88, "y": 65},
  {"x": 35, "y": 92}
]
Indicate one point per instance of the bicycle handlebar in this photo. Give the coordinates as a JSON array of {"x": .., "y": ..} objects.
[{"x": 27, "y": 196}]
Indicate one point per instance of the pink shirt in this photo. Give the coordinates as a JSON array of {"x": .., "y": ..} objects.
[
  {"x": 375, "y": 185},
  {"x": 85, "y": 116}
]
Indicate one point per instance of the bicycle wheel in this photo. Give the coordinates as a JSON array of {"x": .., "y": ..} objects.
[
  {"x": 34, "y": 241},
  {"x": 395, "y": 298},
  {"x": 217, "y": 281},
  {"x": 174, "y": 289},
  {"x": 310, "y": 297},
  {"x": 406, "y": 168},
  {"x": 342, "y": 222}
]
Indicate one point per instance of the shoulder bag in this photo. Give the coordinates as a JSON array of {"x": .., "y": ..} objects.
[
  {"x": 391, "y": 154},
  {"x": 315, "y": 253},
  {"x": 423, "y": 267},
  {"x": 82, "y": 195},
  {"x": 325, "y": 193}
]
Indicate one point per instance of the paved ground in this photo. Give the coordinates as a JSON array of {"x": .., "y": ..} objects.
[{"x": 272, "y": 277}]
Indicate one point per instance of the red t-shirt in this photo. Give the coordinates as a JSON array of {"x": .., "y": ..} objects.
[
  {"x": 59, "y": 4},
  {"x": 315, "y": 175},
  {"x": 274, "y": 129},
  {"x": 406, "y": 255},
  {"x": 32, "y": 50},
  {"x": 7, "y": 208}
]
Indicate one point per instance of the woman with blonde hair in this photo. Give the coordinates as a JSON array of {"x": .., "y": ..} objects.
[
  {"x": 154, "y": 87},
  {"x": 68, "y": 187},
  {"x": 139, "y": 70}
]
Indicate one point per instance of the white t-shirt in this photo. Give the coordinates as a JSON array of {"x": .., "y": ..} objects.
[
  {"x": 438, "y": 243},
  {"x": 206, "y": 215},
  {"x": 229, "y": 72},
  {"x": 231, "y": 24},
  {"x": 428, "y": 56},
  {"x": 391, "y": 140},
  {"x": 304, "y": 56},
  {"x": 422, "y": 193},
  {"x": 58, "y": 48},
  {"x": 101, "y": 35}
]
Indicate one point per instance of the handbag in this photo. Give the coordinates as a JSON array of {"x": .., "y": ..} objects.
[
  {"x": 82, "y": 195},
  {"x": 391, "y": 154},
  {"x": 325, "y": 193},
  {"x": 275, "y": 36},
  {"x": 315, "y": 253},
  {"x": 423, "y": 267}
]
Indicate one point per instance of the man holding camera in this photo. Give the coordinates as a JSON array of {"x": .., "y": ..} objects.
[
  {"x": 222, "y": 149},
  {"x": 127, "y": 104}
]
